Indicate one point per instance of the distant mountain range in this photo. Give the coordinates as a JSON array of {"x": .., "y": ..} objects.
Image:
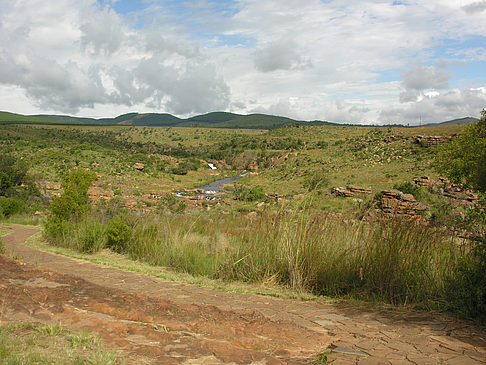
[{"x": 209, "y": 120}]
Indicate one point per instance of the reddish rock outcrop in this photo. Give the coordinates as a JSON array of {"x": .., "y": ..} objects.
[
  {"x": 394, "y": 202},
  {"x": 431, "y": 140}
]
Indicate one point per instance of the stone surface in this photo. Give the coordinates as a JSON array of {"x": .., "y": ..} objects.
[
  {"x": 138, "y": 166},
  {"x": 394, "y": 202},
  {"x": 431, "y": 140}
]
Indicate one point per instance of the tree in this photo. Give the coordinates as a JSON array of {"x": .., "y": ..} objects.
[
  {"x": 463, "y": 160},
  {"x": 74, "y": 200},
  {"x": 12, "y": 173}
]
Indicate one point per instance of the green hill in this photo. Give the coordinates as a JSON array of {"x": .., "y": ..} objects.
[
  {"x": 153, "y": 119},
  {"x": 12, "y": 118},
  {"x": 214, "y": 117}
]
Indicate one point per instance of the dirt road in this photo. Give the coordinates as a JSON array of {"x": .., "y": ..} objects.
[{"x": 160, "y": 322}]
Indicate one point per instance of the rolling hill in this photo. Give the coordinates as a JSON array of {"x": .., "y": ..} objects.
[{"x": 209, "y": 120}]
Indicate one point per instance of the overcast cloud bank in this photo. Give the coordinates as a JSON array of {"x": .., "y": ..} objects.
[{"x": 344, "y": 61}]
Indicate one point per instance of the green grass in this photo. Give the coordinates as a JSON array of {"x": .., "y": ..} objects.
[
  {"x": 302, "y": 251},
  {"x": 124, "y": 262},
  {"x": 35, "y": 343}
]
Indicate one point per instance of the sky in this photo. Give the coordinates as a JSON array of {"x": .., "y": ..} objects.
[{"x": 346, "y": 61}]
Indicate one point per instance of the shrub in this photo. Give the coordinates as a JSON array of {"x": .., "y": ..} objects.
[
  {"x": 179, "y": 170},
  {"x": 173, "y": 204},
  {"x": 244, "y": 193},
  {"x": 11, "y": 206},
  {"x": 409, "y": 188},
  {"x": 118, "y": 234},
  {"x": 12, "y": 172},
  {"x": 74, "y": 199},
  {"x": 90, "y": 235},
  {"x": 467, "y": 287}
]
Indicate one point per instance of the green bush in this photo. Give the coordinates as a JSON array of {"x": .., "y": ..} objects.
[
  {"x": 467, "y": 288},
  {"x": 11, "y": 206},
  {"x": 172, "y": 203},
  {"x": 409, "y": 188},
  {"x": 179, "y": 170},
  {"x": 12, "y": 172},
  {"x": 90, "y": 236},
  {"x": 247, "y": 194},
  {"x": 74, "y": 199},
  {"x": 2, "y": 248},
  {"x": 118, "y": 234}
]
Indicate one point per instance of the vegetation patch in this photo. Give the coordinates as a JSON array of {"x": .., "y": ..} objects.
[{"x": 35, "y": 343}]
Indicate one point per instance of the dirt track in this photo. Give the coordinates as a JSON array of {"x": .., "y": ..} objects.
[{"x": 156, "y": 321}]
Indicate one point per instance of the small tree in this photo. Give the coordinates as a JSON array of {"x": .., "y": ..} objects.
[
  {"x": 12, "y": 173},
  {"x": 463, "y": 160},
  {"x": 73, "y": 202}
]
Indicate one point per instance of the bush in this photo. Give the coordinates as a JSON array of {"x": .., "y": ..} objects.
[
  {"x": 73, "y": 202},
  {"x": 118, "y": 234},
  {"x": 467, "y": 288},
  {"x": 11, "y": 206},
  {"x": 244, "y": 193},
  {"x": 12, "y": 172},
  {"x": 409, "y": 188},
  {"x": 90, "y": 236},
  {"x": 173, "y": 204}
]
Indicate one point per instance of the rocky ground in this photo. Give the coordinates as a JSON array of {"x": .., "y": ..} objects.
[{"x": 159, "y": 322}]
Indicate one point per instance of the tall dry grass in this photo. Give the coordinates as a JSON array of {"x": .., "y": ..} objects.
[{"x": 393, "y": 261}]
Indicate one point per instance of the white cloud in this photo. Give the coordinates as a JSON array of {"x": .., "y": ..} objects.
[
  {"x": 423, "y": 77},
  {"x": 348, "y": 60},
  {"x": 475, "y": 7},
  {"x": 280, "y": 55}
]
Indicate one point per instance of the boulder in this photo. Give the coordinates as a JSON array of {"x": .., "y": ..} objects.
[
  {"x": 394, "y": 202},
  {"x": 138, "y": 166},
  {"x": 359, "y": 189}
]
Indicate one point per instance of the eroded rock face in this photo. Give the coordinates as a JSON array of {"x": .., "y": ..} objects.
[
  {"x": 455, "y": 194},
  {"x": 394, "y": 202},
  {"x": 431, "y": 140}
]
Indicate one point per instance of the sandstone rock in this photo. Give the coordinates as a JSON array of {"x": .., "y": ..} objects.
[
  {"x": 341, "y": 191},
  {"x": 350, "y": 190},
  {"x": 359, "y": 189},
  {"x": 138, "y": 166},
  {"x": 394, "y": 202},
  {"x": 431, "y": 140},
  {"x": 422, "y": 181}
]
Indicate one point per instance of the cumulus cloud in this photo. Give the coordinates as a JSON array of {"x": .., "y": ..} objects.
[
  {"x": 280, "y": 55},
  {"x": 98, "y": 59},
  {"x": 346, "y": 60},
  {"x": 102, "y": 31},
  {"x": 475, "y": 7},
  {"x": 438, "y": 107},
  {"x": 423, "y": 77}
]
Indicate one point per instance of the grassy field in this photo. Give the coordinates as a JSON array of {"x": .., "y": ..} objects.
[
  {"x": 279, "y": 226},
  {"x": 285, "y": 159}
]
